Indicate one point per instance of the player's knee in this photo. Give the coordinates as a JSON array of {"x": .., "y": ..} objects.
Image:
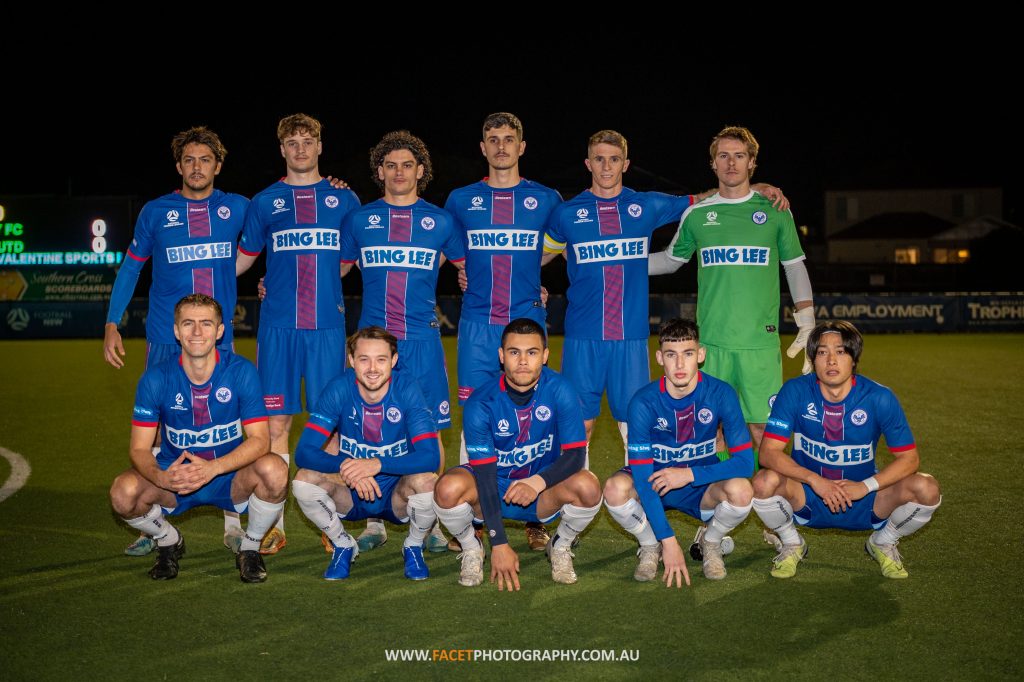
[
  {"x": 926, "y": 489},
  {"x": 766, "y": 483},
  {"x": 448, "y": 491},
  {"x": 587, "y": 488},
  {"x": 739, "y": 492},
  {"x": 125, "y": 492},
  {"x": 618, "y": 490},
  {"x": 273, "y": 474}
]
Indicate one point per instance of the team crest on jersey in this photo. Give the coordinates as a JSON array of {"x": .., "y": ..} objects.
[
  {"x": 173, "y": 219},
  {"x": 771, "y": 401},
  {"x": 662, "y": 424},
  {"x": 374, "y": 221},
  {"x": 635, "y": 210},
  {"x": 760, "y": 217},
  {"x": 444, "y": 407},
  {"x": 705, "y": 415},
  {"x": 331, "y": 201},
  {"x": 477, "y": 204},
  {"x": 530, "y": 203},
  {"x": 503, "y": 428},
  {"x": 543, "y": 413},
  {"x": 224, "y": 212},
  {"x": 179, "y": 401},
  {"x": 712, "y": 218},
  {"x": 859, "y": 417},
  {"x": 223, "y": 394},
  {"x": 394, "y": 415},
  {"x": 583, "y": 216},
  {"x": 427, "y": 223}
]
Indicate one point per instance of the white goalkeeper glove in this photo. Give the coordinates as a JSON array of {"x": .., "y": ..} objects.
[{"x": 804, "y": 324}]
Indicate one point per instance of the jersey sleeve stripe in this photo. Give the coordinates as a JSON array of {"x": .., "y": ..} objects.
[
  {"x": 318, "y": 429},
  {"x": 640, "y": 462},
  {"x": 902, "y": 448},
  {"x": 481, "y": 462},
  {"x": 246, "y": 422},
  {"x": 248, "y": 253},
  {"x": 138, "y": 258},
  {"x": 794, "y": 260},
  {"x": 775, "y": 436},
  {"x": 417, "y": 439},
  {"x": 746, "y": 446},
  {"x": 136, "y": 422},
  {"x": 347, "y": 262},
  {"x": 578, "y": 444}
]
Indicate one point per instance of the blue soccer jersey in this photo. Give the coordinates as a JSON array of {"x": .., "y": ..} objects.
[
  {"x": 523, "y": 440},
  {"x": 399, "y": 250},
  {"x": 300, "y": 226},
  {"x": 838, "y": 440},
  {"x": 193, "y": 248},
  {"x": 669, "y": 432},
  {"x": 503, "y": 235},
  {"x": 206, "y": 420},
  {"x": 607, "y": 243},
  {"x": 398, "y": 430}
]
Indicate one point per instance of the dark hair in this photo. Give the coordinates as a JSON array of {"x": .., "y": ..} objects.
[
  {"x": 199, "y": 300},
  {"x": 502, "y": 119},
  {"x": 198, "y": 135},
  {"x": 524, "y": 325},
  {"x": 372, "y": 334},
  {"x": 678, "y": 330},
  {"x": 402, "y": 139},
  {"x": 853, "y": 342}
]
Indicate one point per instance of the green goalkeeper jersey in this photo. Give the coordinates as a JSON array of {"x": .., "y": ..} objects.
[{"x": 739, "y": 245}]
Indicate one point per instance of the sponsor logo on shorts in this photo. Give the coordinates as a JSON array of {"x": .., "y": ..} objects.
[
  {"x": 543, "y": 413},
  {"x": 394, "y": 414},
  {"x": 331, "y": 201},
  {"x": 223, "y": 394},
  {"x": 530, "y": 203},
  {"x": 274, "y": 402},
  {"x": 223, "y": 212},
  {"x": 760, "y": 218},
  {"x": 705, "y": 415},
  {"x": 859, "y": 417},
  {"x": 635, "y": 210}
]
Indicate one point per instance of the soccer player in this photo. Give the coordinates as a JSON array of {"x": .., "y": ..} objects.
[
  {"x": 302, "y": 319},
  {"x": 501, "y": 220},
  {"x": 400, "y": 242},
  {"x": 387, "y": 456},
  {"x": 673, "y": 462},
  {"x": 605, "y": 233},
  {"x": 191, "y": 235},
  {"x": 205, "y": 400},
  {"x": 835, "y": 418},
  {"x": 525, "y": 437},
  {"x": 741, "y": 239}
]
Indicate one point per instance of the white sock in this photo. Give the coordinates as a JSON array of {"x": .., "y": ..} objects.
[
  {"x": 624, "y": 432},
  {"x": 319, "y": 508},
  {"x": 153, "y": 524},
  {"x": 261, "y": 518},
  {"x": 632, "y": 518},
  {"x": 574, "y": 521},
  {"x": 279, "y": 524},
  {"x": 904, "y": 520},
  {"x": 727, "y": 517},
  {"x": 421, "y": 518},
  {"x": 777, "y": 513},
  {"x": 463, "y": 454},
  {"x": 232, "y": 521},
  {"x": 459, "y": 522},
  {"x": 586, "y": 456}
]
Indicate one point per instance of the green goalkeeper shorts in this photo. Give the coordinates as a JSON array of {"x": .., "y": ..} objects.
[{"x": 756, "y": 374}]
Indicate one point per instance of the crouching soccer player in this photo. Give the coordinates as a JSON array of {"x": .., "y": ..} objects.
[
  {"x": 388, "y": 453},
  {"x": 526, "y": 444},
  {"x": 205, "y": 399},
  {"x": 836, "y": 418},
  {"x": 673, "y": 464}
]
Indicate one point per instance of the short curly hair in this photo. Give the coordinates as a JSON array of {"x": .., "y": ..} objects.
[
  {"x": 394, "y": 141},
  {"x": 198, "y": 135}
]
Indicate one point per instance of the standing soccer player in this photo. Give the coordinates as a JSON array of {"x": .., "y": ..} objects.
[
  {"x": 205, "y": 400},
  {"x": 525, "y": 437},
  {"x": 605, "y": 233},
  {"x": 673, "y": 462},
  {"x": 501, "y": 219},
  {"x": 400, "y": 242},
  {"x": 191, "y": 235},
  {"x": 388, "y": 453},
  {"x": 302, "y": 319},
  {"x": 741, "y": 240},
  {"x": 835, "y": 419}
]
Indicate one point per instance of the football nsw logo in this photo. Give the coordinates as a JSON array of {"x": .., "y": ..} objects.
[
  {"x": 503, "y": 428},
  {"x": 583, "y": 216},
  {"x": 173, "y": 219},
  {"x": 179, "y": 403},
  {"x": 712, "y": 218},
  {"x": 374, "y": 221},
  {"x": 477, "y": 204},
  {"x": 17, "y": 319},
  {"x": 279, "y": 203}
]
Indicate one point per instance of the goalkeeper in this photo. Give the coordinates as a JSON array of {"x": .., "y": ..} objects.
[{"x": 739, "y": 240}]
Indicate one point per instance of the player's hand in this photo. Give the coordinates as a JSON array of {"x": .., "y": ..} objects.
[
  {"x": 525, "y": 491},
  {"x": 505, "y": 568},
  {"x": 355, "y": 470},
  {"x": 805, "y": 325},
  {"x": 198, "y": 472},
  {"x": 835, "y": 496},
  {"x": 112, "y": 345},
  {"x": 336, "y": 183},
  {"x": 261, "y": 290},
  {"x": 463, "y": 280},
  {"x": 772, "y": 194},
  {"x": 670, "y": 478},
  {"x": 856, "y": 490},
  {"x": 544, "y": 296},
  {"x": 174, "y": 476},
  {"x": 367, "y": 489},
  {"x": 675, "y": 563}
]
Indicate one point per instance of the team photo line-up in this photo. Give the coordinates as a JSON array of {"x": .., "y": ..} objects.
[{"x": 210, "y": 428}]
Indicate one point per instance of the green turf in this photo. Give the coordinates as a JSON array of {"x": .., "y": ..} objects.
[{"x": 72, "y": 605}]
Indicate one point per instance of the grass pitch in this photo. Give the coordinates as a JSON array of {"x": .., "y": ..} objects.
[{"x": 71, "y": 605}]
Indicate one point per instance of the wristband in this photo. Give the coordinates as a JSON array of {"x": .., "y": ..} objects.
[{"x": 870, "y": 483}]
